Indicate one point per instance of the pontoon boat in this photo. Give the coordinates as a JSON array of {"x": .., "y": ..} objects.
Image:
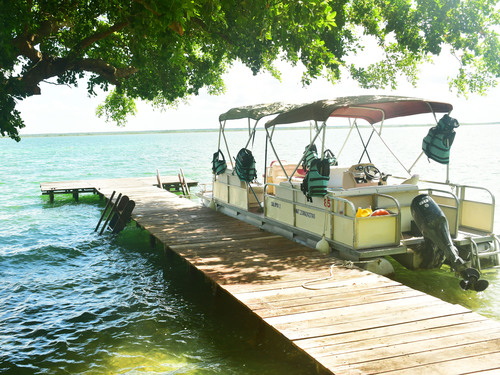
[{"x": 355, "y": 211}]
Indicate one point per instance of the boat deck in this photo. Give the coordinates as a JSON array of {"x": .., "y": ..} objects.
[{"x": 355, "y": 322}]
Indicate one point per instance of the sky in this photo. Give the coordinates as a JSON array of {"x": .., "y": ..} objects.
[{"x": 63, "y": 109}]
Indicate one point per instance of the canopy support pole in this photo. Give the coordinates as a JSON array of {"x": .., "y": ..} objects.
[
  {"x": 322, "y": 127},
  {"x": 227, "y": 146},
  {"x": 365, "y": 151},
  {"x": 323, "y": 143},
  {"x": 388, "y": 148},
  {"x": 346, "y": 138},
  {"x": 416, "y": 161},
  {"x": 255, "y": 195}
]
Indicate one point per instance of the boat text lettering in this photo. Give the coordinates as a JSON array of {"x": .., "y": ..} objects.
[{"x": 310, "y": 215}]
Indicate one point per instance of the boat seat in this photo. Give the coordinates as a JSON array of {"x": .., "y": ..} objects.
[
  {"x": 337, "y": 176},
  {"x": 275, "y": 174}
]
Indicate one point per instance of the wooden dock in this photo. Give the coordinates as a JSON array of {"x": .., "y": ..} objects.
[
  {"x": 355, "y": 322},
  {"x": 169, "y": 183}
]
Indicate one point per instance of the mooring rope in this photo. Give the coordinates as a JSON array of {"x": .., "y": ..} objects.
[{"x": 346, "y": 264}]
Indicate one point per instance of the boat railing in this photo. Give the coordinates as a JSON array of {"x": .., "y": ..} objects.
[
  {"x": 340, "y": 206},
  {"x": 460, "y": 189},
  {"x": 205, "y": 187},
  {"x": 356, "y": 232},
  {"x": 477, "y": 213},
  {"x": 475, "y": 206},
  {"x": 335, "y": 217},
  {"x": 229, "y": 189}
]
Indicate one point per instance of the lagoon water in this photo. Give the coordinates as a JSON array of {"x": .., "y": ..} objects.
[{"x": 73, "y": 302}]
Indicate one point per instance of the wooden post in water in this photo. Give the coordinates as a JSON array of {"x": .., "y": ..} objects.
[
  {"x": 181, "y": 186},
  {"x": 186, "y": 187},
  {"x": 110, "y": 213},
  {"x": 152, "y": 241},
  {"x": 124, "y": 216},
  {"x": 118, "y": 210},
  {"x": 105, "y": 209},
  {"x": 160, "y": 185}
]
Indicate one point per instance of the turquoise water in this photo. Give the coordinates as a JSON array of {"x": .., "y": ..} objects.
[{"x": 75, "y": 302}]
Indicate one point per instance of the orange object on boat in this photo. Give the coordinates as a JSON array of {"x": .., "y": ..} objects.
[{"x": 380, "y": 212}]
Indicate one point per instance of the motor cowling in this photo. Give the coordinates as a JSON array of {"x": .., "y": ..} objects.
[{"x": 433, "y": 224}]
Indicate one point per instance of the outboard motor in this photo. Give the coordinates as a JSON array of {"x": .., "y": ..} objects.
[{"x": 433, "y": 224}]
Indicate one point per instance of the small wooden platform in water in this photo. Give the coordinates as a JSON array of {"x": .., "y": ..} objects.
[
  {"x": 355, "y": 322},
  {"x": 169, "y": 183}
]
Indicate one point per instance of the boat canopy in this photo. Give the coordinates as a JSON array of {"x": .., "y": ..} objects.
[
  {"x": 255, "y": 112},
  {"x": 251, "y": 112},
  {"x": 372, "y": 108}
]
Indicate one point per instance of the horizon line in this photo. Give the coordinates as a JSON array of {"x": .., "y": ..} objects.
[{"x": 207, "y": 130}]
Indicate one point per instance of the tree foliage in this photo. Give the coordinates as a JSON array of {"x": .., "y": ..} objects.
[{"x": 165, "y": 50}]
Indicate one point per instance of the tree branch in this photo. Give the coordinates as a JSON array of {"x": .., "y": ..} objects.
[
  {"x": 110, "y": 73},
  {"x": 46, "y": 69},
  {"x": 84, "y": 43},
  {"x": 26, "y": 48},
  {"x": 148, "y": 7},
  {"x": 25, "y": 43}
]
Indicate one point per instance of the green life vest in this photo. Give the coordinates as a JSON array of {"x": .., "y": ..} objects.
[
  {"x": 332, "y": 160},
  {"x": 316, "y": 180},
  {"x": 437, "y": 143},
  {"x": 309, "y": 155},
  {"x": 245, "y": 165},
  {"x": 219, "y": 165}
]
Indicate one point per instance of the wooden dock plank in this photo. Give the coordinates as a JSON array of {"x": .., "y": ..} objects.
[
  {"x": 381, "y": 347},
  {"x": 399, "y": 332},
  {"x": 468, "y": 335},
  {"x": 351, "y": 321},
  {"x": 343, "y": 323},
  {"x": 463, "y": 365},
  {"x": 321, "y": 317},
  {"x": 445, "y": 357},
  {"x": 268, "y": 310}
]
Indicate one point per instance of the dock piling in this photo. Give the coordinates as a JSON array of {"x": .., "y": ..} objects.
[
  {"x": 110, "y": 213},
  {"x": 122, "y": 216},
  {"x": 184, "y": 185},
  {"x": 108, "y": 203}
]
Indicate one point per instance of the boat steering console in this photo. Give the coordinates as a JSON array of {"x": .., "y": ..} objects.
[{"x": 367, "y": 173}]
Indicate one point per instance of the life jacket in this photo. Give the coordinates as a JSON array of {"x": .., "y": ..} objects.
[
  {"x": 309, "y": 156},
  {"x": 437, "y": 143},
  {"x": 219, "y": 164},
  {"x": 332, "y": 160},
  {"x": 245, "y": 165},
  {"x": 316, "y": 181}
]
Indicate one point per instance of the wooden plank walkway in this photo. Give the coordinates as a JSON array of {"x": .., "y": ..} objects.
[
  {"x": 170, "y": 183},
  {"x": 354, "y": 323}
]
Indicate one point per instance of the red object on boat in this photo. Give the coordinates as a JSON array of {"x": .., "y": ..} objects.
[{"x": 380, "y": 212}]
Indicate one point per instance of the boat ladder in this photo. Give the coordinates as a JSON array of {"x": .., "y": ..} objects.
[{"x": 492, "y": 250}]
